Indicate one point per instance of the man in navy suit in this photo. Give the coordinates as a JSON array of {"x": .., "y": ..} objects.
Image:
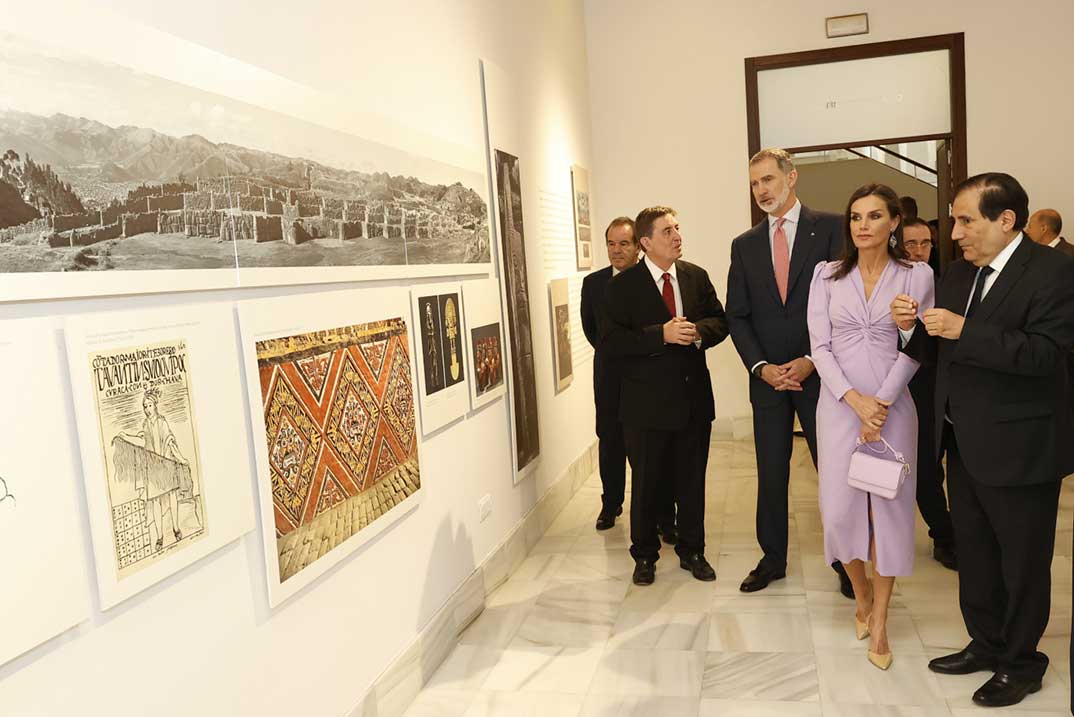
[
  {"x": 767, "y": 293},
  {"x": 623, "y": 251}
]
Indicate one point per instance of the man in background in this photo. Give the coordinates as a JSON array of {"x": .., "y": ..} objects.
[
  {"x": 909, "y": 207},
  {"x": 931, "y": 500},
  {"x": 1044, "y": 227},
  {"x": 623, "y": 250}
]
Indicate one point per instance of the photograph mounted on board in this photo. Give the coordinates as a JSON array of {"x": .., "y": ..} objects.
[
  {"x": 582, "y": 217},
  {"x": 442, "y": 375},
  {"x": 108, "y": 174},
  {"x": 340, "y": 432},
  {"x": 148, "y": 434},
  {"x": 559, "y": 304},
  {"x": 487, "y": 357},
  {"x": 484, "y": 323},
  {"x": 516, "y": 288}
]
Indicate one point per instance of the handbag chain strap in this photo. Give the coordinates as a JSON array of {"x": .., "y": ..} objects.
[{"x": 888, "y": 447}]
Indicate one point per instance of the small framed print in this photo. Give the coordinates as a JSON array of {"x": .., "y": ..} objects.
[{"x": 846, "y": 25}]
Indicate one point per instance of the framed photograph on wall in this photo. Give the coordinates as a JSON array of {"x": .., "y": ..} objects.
[
  {"x": 583, "y": 220},
  {"x": 45, "y": 590},
  {"x": 330, "y": 378},
  {"x": 505, "y": 173},
  {"x": 443, "y": 385},
  {"x": 484, "y": 334},
  {"x": 559, "y": 306},
  {"x": 163, "y": 440}
]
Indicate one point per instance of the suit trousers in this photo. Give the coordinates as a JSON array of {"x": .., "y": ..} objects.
[
  {"x": 931, "y": 499},
  {"x": 773, "y": 439},
  {"x": 649, "y": 453},
  {"x": 1005, "y": 538},
  {"x": 612, "y": 456}
]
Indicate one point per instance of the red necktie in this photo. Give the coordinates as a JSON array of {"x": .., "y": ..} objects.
[
  {"x": 669, "y": 294},
  {"x": 781, "y": 259}
]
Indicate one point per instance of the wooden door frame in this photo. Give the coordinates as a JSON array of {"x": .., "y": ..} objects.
[{"x": 954, "y": 44}]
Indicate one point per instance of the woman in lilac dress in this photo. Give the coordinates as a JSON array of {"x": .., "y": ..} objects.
[{"x": 863, "y": 377}]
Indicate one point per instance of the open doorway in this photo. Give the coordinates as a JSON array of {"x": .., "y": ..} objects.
[
  {"x": 891, "y": 112},
  {"x": 827, "y": 178}
]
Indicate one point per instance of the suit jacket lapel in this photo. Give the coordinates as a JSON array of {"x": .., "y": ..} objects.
[
  {"x": 686, "y": 287},
  {"x": 650, "y": 290},
  {"x": 954, "y": 290},
  {"x": 1006, "y": 280},
  {"x": 803, "y": 246},
  {"x": 761, "y": 249}
]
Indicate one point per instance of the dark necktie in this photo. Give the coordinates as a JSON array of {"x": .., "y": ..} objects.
[
  {"x": 978, "y": 289},
  {"x": 669, "y": 294}
]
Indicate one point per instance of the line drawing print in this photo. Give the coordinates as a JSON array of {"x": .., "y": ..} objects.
[
  {"x": 8, "y": 495},
  {"x": 148, "y": 434}
]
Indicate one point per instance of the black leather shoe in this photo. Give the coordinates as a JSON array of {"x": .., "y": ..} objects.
[
  {"x": 845, "y": 586},
  {"x": 760, "y": 577},
  {"x": 945, "y": 555},
  {"x": 670, "y": 535},
  {"x": 698, "y": 566},
  {"x": 644, "y": 571},
  {"x": 962, "y": 662},
  {"x": 606, "y": 519},
  {"x": 1004, "y": 690}
]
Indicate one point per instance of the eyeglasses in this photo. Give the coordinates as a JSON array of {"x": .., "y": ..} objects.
[{"x": 912, "y": 245}]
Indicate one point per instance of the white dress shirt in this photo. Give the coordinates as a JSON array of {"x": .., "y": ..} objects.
[
  {"x": 997, "y": 265},
  {"x": 658, "y": 277},
  {"x": 1054, "y": 242},
  {"x": 790, "y": 229}
]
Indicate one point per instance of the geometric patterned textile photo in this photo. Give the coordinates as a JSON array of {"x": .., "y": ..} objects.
[{"x": 340, "y": 434}]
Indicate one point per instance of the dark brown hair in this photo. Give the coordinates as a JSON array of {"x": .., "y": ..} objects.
[
  {"x": 849, "y": 258},
  {"x": 643, "y": 225},
  {"x": 622, "y": 222},
  {"x": 999, "y": 192}
]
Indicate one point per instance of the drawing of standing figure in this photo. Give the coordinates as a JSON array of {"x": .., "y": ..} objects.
[
  {"x": 431, "y": 341},
  {"x": 161, "y": 487}
]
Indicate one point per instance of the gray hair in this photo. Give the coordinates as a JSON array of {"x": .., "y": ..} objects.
[{"x": 782, "y": 157}]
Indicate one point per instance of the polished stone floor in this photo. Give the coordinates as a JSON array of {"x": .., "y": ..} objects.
[{"x": 569, "y": 634}]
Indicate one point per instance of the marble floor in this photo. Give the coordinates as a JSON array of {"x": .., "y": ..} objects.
[{"x": 568, "y": 634}]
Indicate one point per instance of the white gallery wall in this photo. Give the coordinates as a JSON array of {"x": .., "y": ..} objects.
[
  {"x": 669, "y": 108},
  {"x": 204, "y": 641}
]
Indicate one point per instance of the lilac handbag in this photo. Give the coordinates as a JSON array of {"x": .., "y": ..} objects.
[{"x": 878, "y": 475}]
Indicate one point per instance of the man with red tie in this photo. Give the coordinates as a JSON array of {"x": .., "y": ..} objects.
[
  {"x": 660, "y": 317},
  {"x": 767, "y": 294}
]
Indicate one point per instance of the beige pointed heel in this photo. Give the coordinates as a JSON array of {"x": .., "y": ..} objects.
[
  {"x": 881, "y": 661},
  {"x": 861, "y": 629}
]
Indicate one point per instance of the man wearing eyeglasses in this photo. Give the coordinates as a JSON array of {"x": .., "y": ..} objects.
[{"x": 931, "y": 501}]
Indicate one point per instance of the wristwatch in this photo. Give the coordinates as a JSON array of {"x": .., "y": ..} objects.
[{"x": 758, "y": 368}]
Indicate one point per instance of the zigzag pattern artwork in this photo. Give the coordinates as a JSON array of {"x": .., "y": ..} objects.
[{"x": 339, "y": 421}]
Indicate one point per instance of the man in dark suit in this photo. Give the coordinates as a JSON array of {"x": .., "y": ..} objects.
[
  {"x": 660, "y": 317},
  {"x": 767, "y": 293},
  {"x": 623, "y": 250},
  {"x": 1044, "y": 227},
  {"x": 931, "y": 501},
  {"x": 1002, "y": 325}
]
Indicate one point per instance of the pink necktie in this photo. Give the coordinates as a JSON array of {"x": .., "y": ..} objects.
[{"x": 781, "y": 259}]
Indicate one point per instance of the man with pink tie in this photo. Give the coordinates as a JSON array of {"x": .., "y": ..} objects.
[{"x": 767, "y": 293}]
